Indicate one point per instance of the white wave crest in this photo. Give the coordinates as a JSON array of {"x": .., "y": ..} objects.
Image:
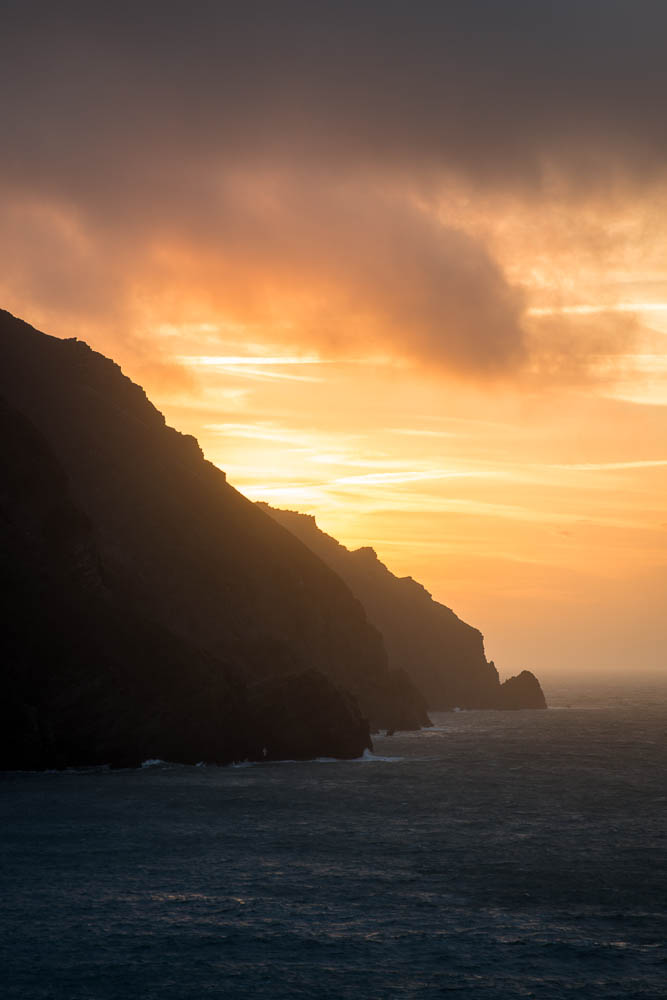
[{"x": 366, "y": 757}]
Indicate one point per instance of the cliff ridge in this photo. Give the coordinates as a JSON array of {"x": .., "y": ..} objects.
[{"x": 442, "y": 655}]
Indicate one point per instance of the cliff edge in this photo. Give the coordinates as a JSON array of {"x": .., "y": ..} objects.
[
  {"x": 193, "y": 564},
  {"x": 443, "y": 655}
]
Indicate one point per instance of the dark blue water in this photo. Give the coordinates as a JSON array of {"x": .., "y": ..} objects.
[{"x": 501, "y": 855}]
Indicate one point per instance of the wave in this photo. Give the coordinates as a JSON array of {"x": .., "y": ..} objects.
[
  {"x": 158, "y": 762},
  {"x": 367, "y": 757}
]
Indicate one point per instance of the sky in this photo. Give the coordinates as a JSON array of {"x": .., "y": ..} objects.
[{"x": 399, "y": 265}]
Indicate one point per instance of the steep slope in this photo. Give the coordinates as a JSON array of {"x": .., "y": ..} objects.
[
  {"x": 85, "y": 680},
  {"x": 442, "y": 654},
  {"x": 190, "y": 554}
]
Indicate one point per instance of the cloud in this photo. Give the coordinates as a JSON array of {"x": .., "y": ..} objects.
[
  {"x": 613, "y": 466},
  {"x": 270, "y": 164},
  {"x": 348, "y": 263},
  {"x": 578, "y": 348},
  {"x": 490, "y": 88}
]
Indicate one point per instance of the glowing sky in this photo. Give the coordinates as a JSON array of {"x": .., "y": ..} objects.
[{"x": 401, "y": 266}]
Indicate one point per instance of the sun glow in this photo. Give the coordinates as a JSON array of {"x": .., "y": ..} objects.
[{"x": 352, "y": 380}]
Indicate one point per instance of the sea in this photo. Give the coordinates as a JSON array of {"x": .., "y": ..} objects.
[{"x": 496, "y": 855}]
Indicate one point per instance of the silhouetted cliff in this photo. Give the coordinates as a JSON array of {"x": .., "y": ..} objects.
[
  {"x": 86, "y": 680},
  {"x": 442, "y": 654},
  {"x": 192, "y": 558}
]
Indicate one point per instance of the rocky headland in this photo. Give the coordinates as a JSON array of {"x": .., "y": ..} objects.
[
  {"x": 154, "y": 611},
  {"x": 443, "y": 655}
]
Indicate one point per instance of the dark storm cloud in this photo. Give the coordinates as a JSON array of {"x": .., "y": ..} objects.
[
  {"x": 487, "y": 86},
  {"x": 134, "y": 116}
]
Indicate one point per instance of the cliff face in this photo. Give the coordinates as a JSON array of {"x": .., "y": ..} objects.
[
  {"x": 442, "y": 654},
  {"x": 189, "y": 554},
  {"x": 86, "y": 680}
]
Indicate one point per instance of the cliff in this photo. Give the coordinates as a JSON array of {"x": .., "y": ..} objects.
[
  {"x": 443, "y": 655},
  {"x": 198, "y": 565},
  {"x": 86, "y": 680}
]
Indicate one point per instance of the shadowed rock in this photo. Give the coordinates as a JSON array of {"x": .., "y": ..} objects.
[
  {"x": 522, "y": 691},
  {"x": 298, "y": 714},
  {"x": 175, "y": 555},
  {"x": 441, "y": 654},
  {"x": 86, "y": 680}
]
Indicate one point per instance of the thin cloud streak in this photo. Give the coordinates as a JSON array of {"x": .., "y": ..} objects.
[
  {"x": 227, "y": 361},
  {"x": 612, "y": 466},
  {"x": 393, "y": 478},
  {"x": 425, "y": 432},
  {"x": 595, "y": 309},
  {"x": 261, "y": 374},
  {"x": 325, "y": 496}
]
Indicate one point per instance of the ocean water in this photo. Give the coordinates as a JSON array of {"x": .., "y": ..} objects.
[{"x": 498, "y": 855}]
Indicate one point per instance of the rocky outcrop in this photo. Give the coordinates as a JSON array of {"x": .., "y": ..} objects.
[
  {"x": 443, "y": 655},
  {"x": 201, "y": 570},
  {"x": 522, "y": 691}
]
